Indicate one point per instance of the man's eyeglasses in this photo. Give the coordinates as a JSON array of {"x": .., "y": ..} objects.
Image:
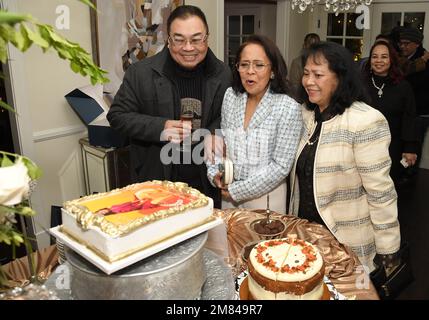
[
  {"x": 403, "y": 43},
  {"x": 181, "y": 42},
  {"x": 257, "y": 66}
]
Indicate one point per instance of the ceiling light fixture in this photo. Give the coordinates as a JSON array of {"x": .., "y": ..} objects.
[{"x": 335, "y": 6}]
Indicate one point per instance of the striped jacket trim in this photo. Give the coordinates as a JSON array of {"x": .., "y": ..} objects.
[
  {"x": 364, "y": 250},
  {"x": 386, "y": 226},
  {"x": 382, "y": 196},
  {"x": 375, "y": 167},
  {"x": 341, "y": 195},
  {"x": 362, "y": 169},
  {"x": 352, "y": 223}
]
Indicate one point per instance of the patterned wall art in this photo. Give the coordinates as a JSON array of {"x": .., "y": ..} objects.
[{"x": 126, "y": 31}]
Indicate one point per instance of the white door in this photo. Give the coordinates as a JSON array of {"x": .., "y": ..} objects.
[
  {"x": 387, "y": 16},
  {"x": 239, "y": 24}
]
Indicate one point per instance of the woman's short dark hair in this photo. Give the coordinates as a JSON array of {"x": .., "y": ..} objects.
[
  {"x": 395, "y": 72},
  {"x": 185, "y": 12},
  {"x": 311, "y": 38},
  {"x": 340, "y": 61},
  {"x": 278, "y": 65}
]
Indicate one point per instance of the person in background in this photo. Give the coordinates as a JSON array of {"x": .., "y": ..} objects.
[
  {"x": 362, "y": 62},
  {"x": 410, "y": 43},
  {"x": 341, "y": 175},
  {"x": 296, "y": 67},
  {"x": 412, "y": 66},
  {"x": 407, "y": 66},
  {"x": 394, "y": 98},
  {"x": 146, "y": 109},
  {"x": 261, "y": 125}
]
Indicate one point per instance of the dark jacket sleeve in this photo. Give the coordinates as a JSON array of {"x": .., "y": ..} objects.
[
  {"x": 225, "y": 82},
  {"x": 409, "y": 130},
  {"x": 129, "y": 114},
  {"x": 411, "y": 66}
]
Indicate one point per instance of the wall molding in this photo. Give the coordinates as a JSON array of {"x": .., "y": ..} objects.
[
  {"x": 283, "y": 23},
  {"x": 56, "y": 133},
  {"x": 72, "y": 170}
]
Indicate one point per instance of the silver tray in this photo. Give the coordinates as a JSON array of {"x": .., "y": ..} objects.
[
  {"x": 219, "y": 284},
  {"x": 162, "y": 276}
]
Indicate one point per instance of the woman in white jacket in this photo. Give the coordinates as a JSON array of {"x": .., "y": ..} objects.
[
  {"x": 261, "y": 126},
  {"x": 341, "y": 175}
]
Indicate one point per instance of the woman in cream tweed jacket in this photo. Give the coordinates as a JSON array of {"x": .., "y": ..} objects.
[{"x": 345, "y": 156}]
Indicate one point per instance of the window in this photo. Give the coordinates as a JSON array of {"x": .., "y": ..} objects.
[
  {"x": 389, "y": 20},
  {"x": 342, "y": 29},
  {"x": 386, "y": 16},
  {"x": 238, "y": 28}
]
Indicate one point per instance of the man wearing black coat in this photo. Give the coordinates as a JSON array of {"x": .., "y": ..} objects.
[
  {"x": 410, "y": 43},
  {"x": 154, "y": 92}
]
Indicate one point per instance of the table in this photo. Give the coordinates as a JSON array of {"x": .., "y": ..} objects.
[
  {"x": 341, "y": 264},
  {"x": 18, "y": 273}
]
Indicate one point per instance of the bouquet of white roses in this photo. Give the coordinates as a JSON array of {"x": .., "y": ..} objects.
[{"x": 16, "y": 174}]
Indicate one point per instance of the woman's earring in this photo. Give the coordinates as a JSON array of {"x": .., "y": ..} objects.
[{"x": 272, "y": 76}]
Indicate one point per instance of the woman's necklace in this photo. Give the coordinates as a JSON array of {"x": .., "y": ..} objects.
[
  {"x": 380, "y": 90},
  {"x": 310, "y": 135},
  {"x": 310, "y": 143}
]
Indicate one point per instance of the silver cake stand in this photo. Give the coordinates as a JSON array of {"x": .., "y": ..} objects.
[{"x": 184, "y": 271}]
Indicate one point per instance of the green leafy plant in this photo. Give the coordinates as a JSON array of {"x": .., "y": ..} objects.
[
  {"x": 23, "y": 31},
  {"x": 18, "y": 172}
]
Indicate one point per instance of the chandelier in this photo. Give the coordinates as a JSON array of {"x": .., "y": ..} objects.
[{"x": 336, "y": 6}]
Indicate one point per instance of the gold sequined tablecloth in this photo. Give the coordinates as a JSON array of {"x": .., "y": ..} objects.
[
  {"x": 18, "y": 273},
  {"x": 342, "y": 266}
]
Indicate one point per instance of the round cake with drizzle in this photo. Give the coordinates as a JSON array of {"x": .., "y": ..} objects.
[{"x": 285, "y": 269}]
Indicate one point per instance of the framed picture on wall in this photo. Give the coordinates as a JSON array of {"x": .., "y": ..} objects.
[{"x": 126, "y": 31}]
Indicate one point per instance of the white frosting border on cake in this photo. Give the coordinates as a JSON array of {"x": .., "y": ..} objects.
[
  {"x": 87, "y": 218},
  {"x": 114, "y": 248}
]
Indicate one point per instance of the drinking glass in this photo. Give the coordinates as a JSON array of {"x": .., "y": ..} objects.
[
  {"x": 234, "y": 264},
  {"x": 186, "y": 116}
]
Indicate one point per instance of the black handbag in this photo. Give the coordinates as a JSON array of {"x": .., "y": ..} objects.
[{"x": 390, "y": 286}]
